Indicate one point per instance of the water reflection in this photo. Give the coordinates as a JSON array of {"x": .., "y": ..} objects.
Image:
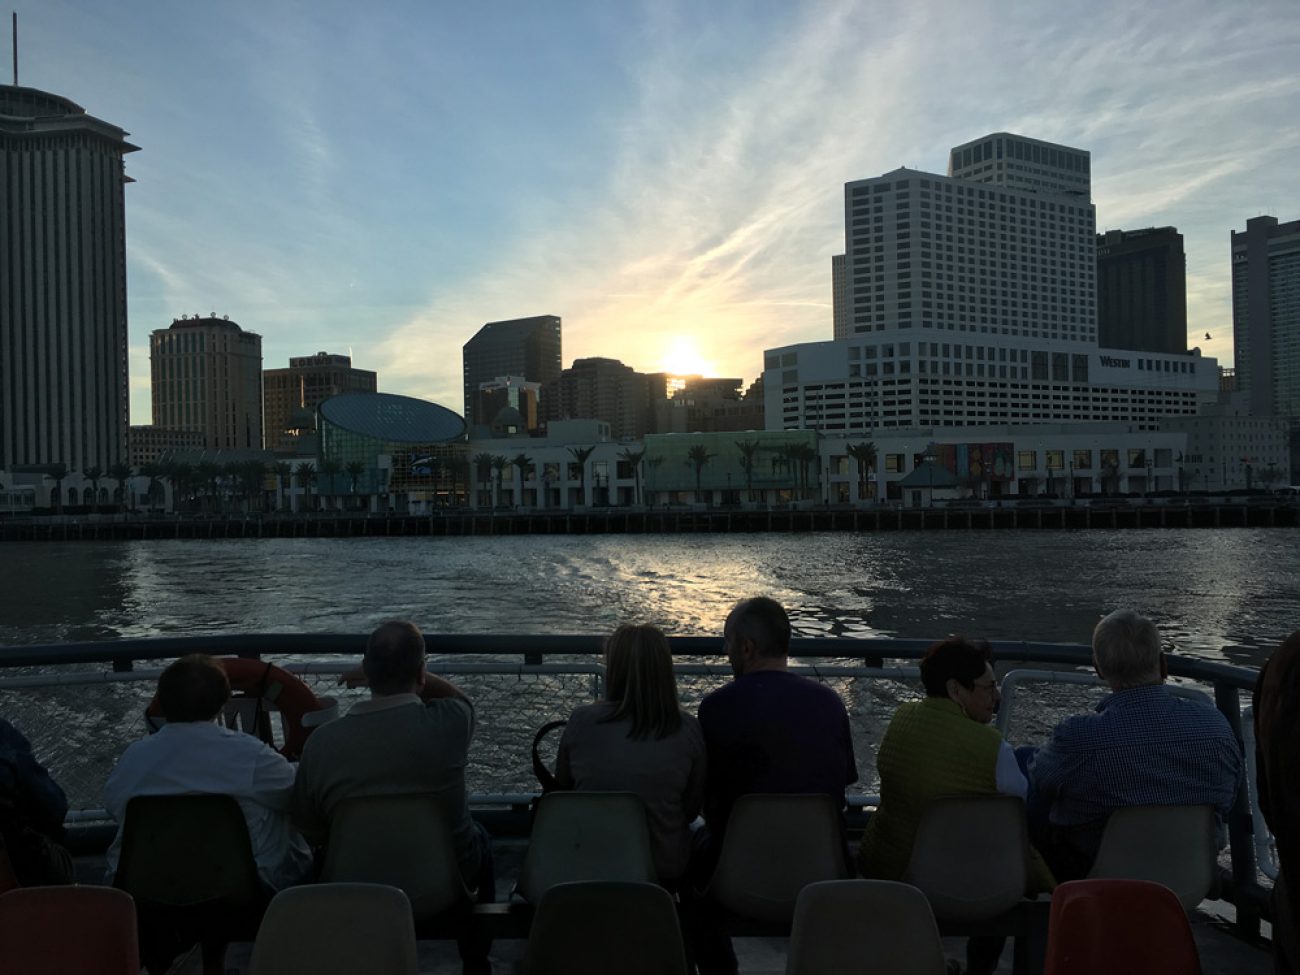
[{"x": 1208, "y": 590}]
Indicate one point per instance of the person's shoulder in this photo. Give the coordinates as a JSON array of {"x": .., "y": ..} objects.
[{"x": 589, "y": 714}]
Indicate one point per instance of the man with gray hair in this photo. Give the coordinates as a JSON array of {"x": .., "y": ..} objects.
[{"x": 1143, "y": 746}]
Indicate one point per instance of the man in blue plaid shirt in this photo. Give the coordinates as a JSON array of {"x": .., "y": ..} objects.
[{"x": 1143, "y": 746}]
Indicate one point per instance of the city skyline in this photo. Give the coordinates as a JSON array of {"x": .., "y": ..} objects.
[{"x": 664, "y": 179}]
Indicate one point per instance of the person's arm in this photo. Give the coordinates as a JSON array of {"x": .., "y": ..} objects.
[
  {"x": 41, "y": 797},
  {"x": 273, "y": 778},
  {"x": 563, "y": 765},
  {"x": 305, "y": 811},
  {"x": 693, "y": 797},
  {"x": 1055, "y": 763},
  {"x": 436, "y": 688},
  {"x": 1010, "y": 780}
]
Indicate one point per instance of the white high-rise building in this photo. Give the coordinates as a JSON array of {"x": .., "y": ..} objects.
[{"x": 973, "y": 303}]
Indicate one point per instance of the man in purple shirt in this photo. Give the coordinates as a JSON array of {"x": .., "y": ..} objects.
[
  {"x": 770, "y": 730},
  {"x": 767, "y": 731}
]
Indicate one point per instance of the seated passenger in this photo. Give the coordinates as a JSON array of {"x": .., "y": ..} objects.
[
  {"x": 639, "y": 740},
  {"x": 32, "y": 807},
  {"x": 194, "y": 753},
  {"x": 770, "y": 730},
  {"x": 412, "y": 736},
  {"x": 944, "y": 745},
  {"x": 1277, "y": 778},
  {"x": 1142, "y": 747}
]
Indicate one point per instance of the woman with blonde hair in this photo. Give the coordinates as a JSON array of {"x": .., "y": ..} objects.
[{"x": 638, "y": 739}]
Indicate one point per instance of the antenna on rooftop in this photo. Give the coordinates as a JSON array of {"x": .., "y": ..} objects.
[{"x": 15, "y": 48}]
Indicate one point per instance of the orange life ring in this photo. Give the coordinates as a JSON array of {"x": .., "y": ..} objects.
[{"x": 291, "y": 697}]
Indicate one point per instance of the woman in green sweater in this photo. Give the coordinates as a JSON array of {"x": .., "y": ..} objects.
[{"x": 942, "y": 745}]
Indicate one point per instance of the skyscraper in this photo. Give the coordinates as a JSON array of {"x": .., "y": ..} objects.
[
  {"x": 309, "y": 381},
  {"x": 63, "y": 369},
  {"x": 207, "y": 376},
  {"x": 973, "y": 302},
  {"x": 601, "y": 389},
  {"x": 1266, "y": 315},
  {"x": 1142, "y": 290},
  {"x": 525, "y": 347},
  {"x": 841, "y": 297}
]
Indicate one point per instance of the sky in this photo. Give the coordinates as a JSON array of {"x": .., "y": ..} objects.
[{"x": 666, "y": 176}]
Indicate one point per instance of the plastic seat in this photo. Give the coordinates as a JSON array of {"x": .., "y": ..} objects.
[
  {"x": 596, "y": 927},
  {"x": 401, "y": 841},
  {"x": 188, "y": 862},
  {"x": 970, "y": 856},
  {"x": 879, "y": 926},
  {"x": 1119, "y": 926},
  {"x": 56, "y": 930},
  {"x": 776, "y": 845},
  {"x": 336, "y": 929},
  {"x": 1170, "y": 845},
  {"x": 586, "y": 836}
]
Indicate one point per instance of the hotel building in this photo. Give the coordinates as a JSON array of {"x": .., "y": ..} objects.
[
  {"x": 972, "y": 303},
  {"x": 63, "y": 370},
  {"x": 207, "y": 376},
  {"x": 528, "y": 348}
]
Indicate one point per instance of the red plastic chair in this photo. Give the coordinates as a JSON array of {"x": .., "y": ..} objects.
[
  {"x": 1119, "y": 926},
  {"x": 54, "y": 930}
]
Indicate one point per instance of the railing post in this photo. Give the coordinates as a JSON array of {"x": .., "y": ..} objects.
[{"x": 1245, "y": 871}]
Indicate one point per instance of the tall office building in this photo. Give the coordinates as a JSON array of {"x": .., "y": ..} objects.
[
  {"x": 528, "y": 348},
  {"x": 63, "y": 369},
  {"x": 309, "y": 381},
  {"x": 1142, "y": 290},
  {"x": 207, "y": 376},
  {"x": 1266, "y": 315},
  {"x": 974, "y": 303}
]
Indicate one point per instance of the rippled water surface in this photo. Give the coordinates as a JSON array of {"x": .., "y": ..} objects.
[{"x": 1215, "y": 593}]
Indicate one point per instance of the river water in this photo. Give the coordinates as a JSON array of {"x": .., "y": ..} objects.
[{"x": 1217, "y": 594}]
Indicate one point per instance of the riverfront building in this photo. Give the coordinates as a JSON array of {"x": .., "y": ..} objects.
[
  {"x": 63, "y": 332},
  {"x": 525, "y": 347},
  {"x": 973, "y": 304},
  {"x": 290, "y": 395},
  {"x": 605, "y": 389},
  {"x": 1142, "y": 290},
  {"x": 206, "y": 375}
]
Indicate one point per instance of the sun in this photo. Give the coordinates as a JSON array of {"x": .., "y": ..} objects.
[{"x": 682, "y": 358}]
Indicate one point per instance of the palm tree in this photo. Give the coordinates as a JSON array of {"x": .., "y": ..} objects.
[
  {"x": 864, "y": 454},
  {"x": 748, "y": 448},
  {"x": 121, "y": 473},
  {"x": 252, "y": 480},
  {"x": 521, "y": 463},
  {"x": 181, "y": 476},
  {"x": 355, "y": 469},
  {"x": 481, "y": 464},
  {"x": 330, "y": 469},
  {"x": 306, "y": 472},
  {"x": 633, "y": 458},
  {"x": 697, "y": 456},
  {"x": 580, "y": 455},
  {"x": 93, "y": 474},
  {"x": 804, "y": 455},
  {"x": 499, "y": 465},
  {"x": 283, "y": 472}
]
